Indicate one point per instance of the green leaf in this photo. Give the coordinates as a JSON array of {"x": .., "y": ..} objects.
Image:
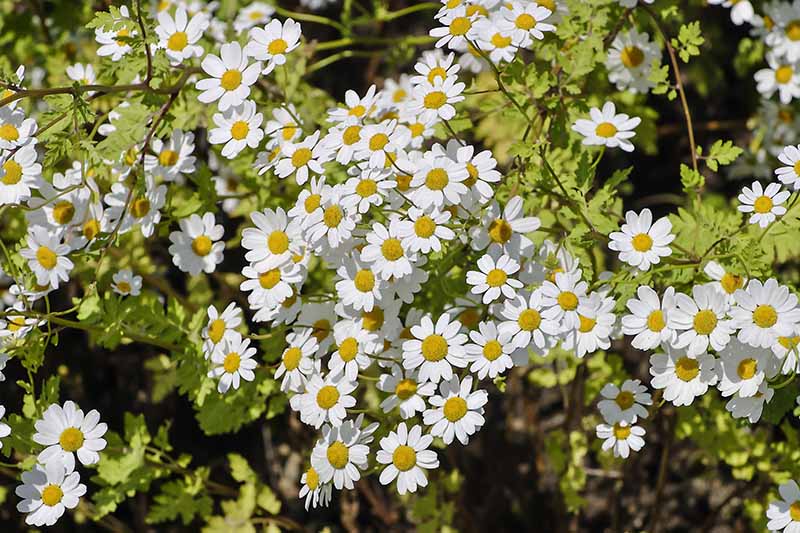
[
  {"x": 689, "y": 40},
  {"x": 179, "y": 499},
  {"x": 721, "y": 153}
]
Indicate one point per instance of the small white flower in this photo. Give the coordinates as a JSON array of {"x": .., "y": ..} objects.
[
  {"x": 491, "y": 352},
  {"x": 15, "y": 129},
  {"x": 525, "y": 21},
  {"x": 750, "y": 407},
  {"x": 178, "y": 37},
  {"x": 595, "y": 324},
  {"x": 83, "y": 74},
  {"x": 239, "y": 127},
  {"x": 744, "y": 368},
  {"x": 725, "y": 282},
  {"x": 649, "y": 321},
  {"x": 438, "y": 181},
  {"x": 406, "y": 453},
  {"x": 342, "y": 453},
  {"x": 20, "y": 175},
  {"x": 701, "y": 320},
  {"x": 111, "y": 42},
  {"x": 298, "y": 361},
  {"x": 355, "y": 106},
  {"x": 790, "y": 174},
  {"x": 66, "y": 431},
  {"x": 220, "y": 327},
  {"x": 784, "y": 514},
  {"x": 272, "y": 242},
  {"x": 765, "y": 312},
  {"x": 435, "y": 349},
  {"x": 504, "y": 227},
  {"x": 350, "y": 355},
  {"x": 783, "y": 77},
  {"x": 407, "y": 393},
  {"x": 457, "y": 410},
  {"x": 629, "y": 61},
  {"x": 359, "y": 287},
  {"x": 425, "y": 230},
  {"x": 765, "y": 204},
  {"x": 47, "y": 257},
  {"x": 270, "y": 286},
  {"x": 682, "y": 377},
  {"x": 494, "y": 279},
  {"x": 366, "y": 188},
  {"x": 624, "y": 404},
  {"x": 456, "y": 29},
  {"x": 48, "y": 490},
  {"x": 231, "y": 77},
  {"x": 232, "y": 363},
  {"x": 607, "y": 128},
  {"x": 385, "y": 252},
  {"x": 313, "y": 491},
  {"x": 561, "y": 298},
  {"x": 197, "y": 247},
  {"x": 621, "y": 438},
  {"x": 437, "y": 99},
  {"x": 642, "y": 243},
  {"x": 524, "y": 322},
  {"x": 172, "y": 158},
  {"x": 303, "y": 158},
  {"x": 329, "y": 225},
  {"x": 325, "y": 400},
  {"x": 126, "y": 283},
  {"x": 273, "y": 42}
]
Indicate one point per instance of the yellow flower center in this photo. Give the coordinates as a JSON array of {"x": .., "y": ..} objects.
[
  {"x": 357, "y": 111},
  {"x": 605, "y": 130},
  {"x": 9, "y": 132},
  {"x": 687, "y": 368},
  {"x": 424, "y": 227},
  {"x": 46, "y": 257},
  {"x": 91, "y": 228},
  {"x": 568, "y": 301},
  {"x": 434, "y": 348},
  {"x": 655, "y": 321},
  {"x": 586, "y": 324},
  {"x": 492, "y": 350},
  {"x": 13, "y": 172},
  {"x": 765, "y": 316},
  {"x": 624, "y": 399},
  {"x": 366, "y": 188},
  {"x": 291, "y": 358},
  {"x": 460, "y": 26},
  {"x": 71, "y": 439},
  {"x": 378, "y": 141},
  {"x": 239, "y": 130},
  {"x": 496, "y": 277},
  {"x": 436, "y": 72},
  {"x": 790, "y": 343},
  {"x": 783, "y": 74},
  {"x": 327, "y": 396},
  {"x": 525, "y": 21},
  {"x": 348, "y": 349},
  {"x": 63, "y": 212},
  {"x": 270, "y": 278},
  {"x": 124, "y": 287},
  {"x": 177, "y": 41},
  {"x": 472, "y": 177},
  {"x": 312, "y": 479},
  {"x": 332, "y": 216},
  {"x": 704, "y": 322},
  {"x": 364, "y": 280},
  {"x": 278, "y": 242},
  {"x": 231, "y": 362},
  {"x": 168, "y": 158},
  {"x": 437, "y": 179},
  {"x": 405, "y": 389},
  {"x": 392, "y": 249},
  {"x": 549, "y": 4},
  {"x": 731, "y": 282},
  {"x": 351, "y": 135},
  {"x": 278, "y": 46},
  {"x": 631, "y": 56},
  {"x": 434, "y": 100},
  {"x": 372, "y": 320},
  {"x": 500, "y": 41},
  {"x": 404, "y": 458},
  {"x": 403, "y": 182},
  {"x": 642, "y": 242},
  {"x": 763, "y": 204},
  {"x": 455, "y": 408},
  {"x": 122, "y": 33},
  {"x": 529, "y": 320},
  {"x": 51, "y": 495},
  {"x": 793, "y": 30},
  {"x": 216, "y": 330},
  {"x": 231, "y": 79},
  {"x": 747, "y": 368},
  {"x": 794, "y": 511},
  {"x": 301, "y": 157},
  {"x": 202, "y": 245},
  {"x": 621, "y": 432},
  {"x": 140, "y": 207},
  {"x": 338, "y": 455},
  {"x": 312, "y": 202},
  {"x": 500, "y": 231}
]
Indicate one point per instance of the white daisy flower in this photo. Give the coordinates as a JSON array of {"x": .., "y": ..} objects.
[
  {"x": 83, "y": 74},
  {"x": 624, "y": 404},
  {"x": 649, "y": 318},
  {"x": 232, "y": 363},
  {"x": 20, "y": 175},
  {"x": 524, "y": 323},
  {"x": 456, "y": 29},
  {"x": 221, "y": 327},
  {"x": 313, "y": 491},
  {"x": 47, "y": 257},
  {"x": 298, "y": 361},
  {"x": 494, "y": 277},
  {"x": 785, "y": 34},
  {"x": 621, "y": 438},
  {"x": 435, "y": 349},
  {"x": 457, "y": 410},
  {"x": 197, "y": 247},
  {"x": 406, "y": 453},
  {"x": 126, "y": 283},
  {"x": 328, "y": 226},
  {"x": 787, "y": 350},
  {"x": 495, "y": 39},
  {"x": 48, "y": 490},
  {"x": 784, "y": 514},
  {"x": 178, "y": 36},
  {"x": 350, "y": 355},
  {"x": 379, "y": 141},
  {"x": 238, "y": 128},
  {"x": 481, "y": 169},
  {"x": 724, "y": 281},
  {"x": 273, "y": 42},
  {"x": 406, "y": 393},
  {"x": 596, "y": 324},
  {"x": 112, "y": 43},
  {"x": 230, "y": 77},
  {"x": 354, "y": 106},
  {"x": 765, "y": 204},
  {"x": 743, "y": 369},
  {"x": 750, "y": 407},
  {"x": 561, "y": 298},
  {"x": 504, "y": 227},
  {"x": 438, "y": 181},
  {"x": 173, "y": 158},
  {"x": 491, "y": 352},
  {"x": 144, "y": 209},
  {"x": 425, "y": 230},
  {"x": 607, "y": 128},
  {"x": 340, "y": 454},
  {"x": 366, "y": 188},
  {"x": 385, "y": 252},
  {"x": 526, "y": 22},
  {"x": 5, "y": 429},
  {"x": 252, "y": 15},
  {"x": 765, "y": 312},
  {"x": 682, "y": 377},
  {"x": 270, "y": 287},
  {"x": 301, "y": 159},
  {"x": 13, "y": 326},
  {"x": 700, "y": 320},
  {"x": 630, "y": 59},
  {"x": 790, "y": 174},
  {"x": 434, "y": 65},
  {"x": 359, "y": 287},
  {"x": 283, "y": 127},
  {"x": 272, "y": 241},
  {"x": 437, "y": 99},
  {"x": 783, "y": 77},
  {"x": 319, "y": 318},
  {"x": 66, "y": 431},
  {"x": 345, "y": 139},
  {"x": 15, "y": 129},
  {"x": 325, "y": 400}
]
